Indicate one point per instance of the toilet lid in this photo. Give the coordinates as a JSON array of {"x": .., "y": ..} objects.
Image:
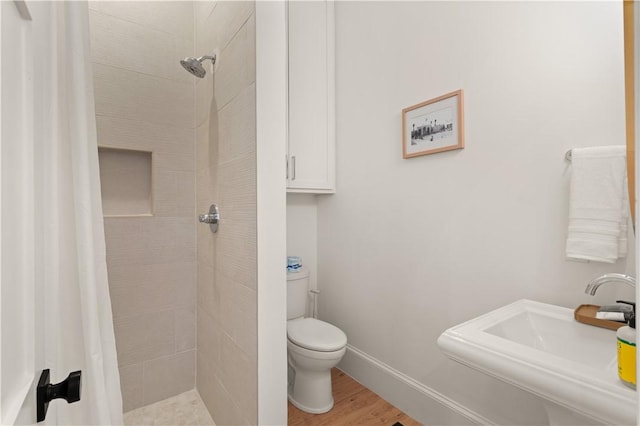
[{"x": 316, "y": 335}]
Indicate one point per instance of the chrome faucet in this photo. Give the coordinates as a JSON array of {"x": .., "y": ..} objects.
[{"x": 609, "y": 278}]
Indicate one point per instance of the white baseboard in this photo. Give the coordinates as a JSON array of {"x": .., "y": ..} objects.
[{"x": 412, "y": 397}]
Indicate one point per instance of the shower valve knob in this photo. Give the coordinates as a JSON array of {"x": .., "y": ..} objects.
[
  {"x": 212, "y": 218},
  {"x": 209, "y": 218}
]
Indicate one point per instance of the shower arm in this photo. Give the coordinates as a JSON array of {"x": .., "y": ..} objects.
[{"x": 205, "y": 57}]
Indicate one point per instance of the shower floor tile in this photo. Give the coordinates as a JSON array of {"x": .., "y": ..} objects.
[{"x": 184, "y": 409}]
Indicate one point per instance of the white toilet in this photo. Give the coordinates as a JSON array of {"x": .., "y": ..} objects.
[{"x": 314, "y": 347}]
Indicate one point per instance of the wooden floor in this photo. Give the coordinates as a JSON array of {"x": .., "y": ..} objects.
[{"x": 353, "y": 405}]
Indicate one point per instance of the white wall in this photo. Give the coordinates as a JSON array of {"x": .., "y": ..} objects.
[
  {"x": 408, "y": 248},
  {"x": 302, "y": 232}
]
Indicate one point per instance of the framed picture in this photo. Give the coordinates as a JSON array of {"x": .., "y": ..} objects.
[{"x": 436, "y": 125}]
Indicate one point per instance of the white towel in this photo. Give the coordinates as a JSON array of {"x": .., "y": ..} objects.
[{"x": 598, "y": 204}]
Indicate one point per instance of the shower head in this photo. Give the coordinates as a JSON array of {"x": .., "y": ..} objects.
[{"x": 194, "y": 65}]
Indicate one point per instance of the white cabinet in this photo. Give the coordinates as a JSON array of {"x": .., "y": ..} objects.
[{"x": 311, "y": 145}]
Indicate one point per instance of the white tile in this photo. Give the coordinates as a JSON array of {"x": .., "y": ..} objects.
[
  {"x": 207, "y": 188},
  {"x": 214, "y": 137},
  {"x": 222, "y": 24},
  {"x": 236, "y": 310},
  {"x": 131, "y": 386},
  {"x": 160, "y": 274},
  {"x": 170, "y": 141},
  {"x": 238, "y": 374},
  {"x": 236, "y": 69},
  {"x": 238, "y": 126},
  {"x": 209, "y": 335},
  {"x": 206, "y": 37},
  {"x": 184, "y": 409},
  {"x": 203, "y": 417},
  {"x": 251, "y": 48},
  {"x": 168, "y": 376},
  {"x": 206, "y": 289},
  {"x": 205, "y": 378},
  {"x": 205, "y": 99},
  {"x": 134, "y": 418},
  {"x": 203, "y": 146},
  {"x": 202, "y": 10},
  {"x": 127, "y": 94},
  {"x": 145, "y": 298},
  {"x": 151, "y": 288},
  {"x": 219, "y": 28},
  {"x": 205, "y": 243},
  {"x": 185, "y": 326},
  {"x": 183, "y": 161},
  {"x": 142, "y": 337},
  {"x": 237, "y": 188},
  {"x": 134, "y": 47},
  {"x": 152, "y": 240},
  {"x": 245, "y": 323},
  {"x": 223, "y": 408},
  {"x": 235, "y": 252},
  {"x": 173, "y": 17},
  {"x": 222, "y": 303},
  {"x": 174, "y": 193}
]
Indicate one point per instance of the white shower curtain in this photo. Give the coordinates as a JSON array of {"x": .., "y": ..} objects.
[{"x": 78, "y": 330}]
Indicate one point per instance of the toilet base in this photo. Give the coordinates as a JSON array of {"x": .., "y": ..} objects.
[
  {"x": 309, "y": 378},
  {"x": 320, "y": 410},
  {"x": 310, "y": 391}
]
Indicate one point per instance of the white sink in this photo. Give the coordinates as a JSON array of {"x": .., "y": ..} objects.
[{"x": 540, "y": 348}]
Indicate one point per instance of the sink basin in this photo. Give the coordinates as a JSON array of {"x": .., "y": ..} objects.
[{"x": 541, "y": 348}]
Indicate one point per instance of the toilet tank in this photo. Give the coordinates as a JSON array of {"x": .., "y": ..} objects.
[{"x": 297, "y": 293}]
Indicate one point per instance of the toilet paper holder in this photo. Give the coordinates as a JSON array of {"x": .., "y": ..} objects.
[{"x": 212, "y": 218}]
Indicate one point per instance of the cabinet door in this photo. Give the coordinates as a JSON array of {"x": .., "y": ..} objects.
[{"x": 311, "y": 97}]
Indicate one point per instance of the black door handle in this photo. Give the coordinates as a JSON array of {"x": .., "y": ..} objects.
[{"x": 69, "y": 389}]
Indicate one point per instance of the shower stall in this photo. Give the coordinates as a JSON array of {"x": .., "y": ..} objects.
[
  {"x": 110, "y": 151},
  {"x": 184, "y": 299}
]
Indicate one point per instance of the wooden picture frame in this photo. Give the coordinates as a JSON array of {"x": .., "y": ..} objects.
[{"x": 436, "y": 125}]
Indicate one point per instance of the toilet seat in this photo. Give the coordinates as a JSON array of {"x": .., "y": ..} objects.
[{"x": 315, "y": 335}]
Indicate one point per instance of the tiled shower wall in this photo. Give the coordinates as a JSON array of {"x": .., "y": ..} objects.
[
  {"x": 145, "y": 102},
  {"x": 226, "y": 174}
]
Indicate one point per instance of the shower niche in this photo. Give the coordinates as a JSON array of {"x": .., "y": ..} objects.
[{"x": 126, "y": 182}]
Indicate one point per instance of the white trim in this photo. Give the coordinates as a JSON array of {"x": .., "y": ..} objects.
[
  {"x": 271, "y": 131},
  {"x": 1, "y": 230},
  {"x": 413, "y": 397},
  {"x": 331, "y": 98},
  {"x": 636, "y": 61}
]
